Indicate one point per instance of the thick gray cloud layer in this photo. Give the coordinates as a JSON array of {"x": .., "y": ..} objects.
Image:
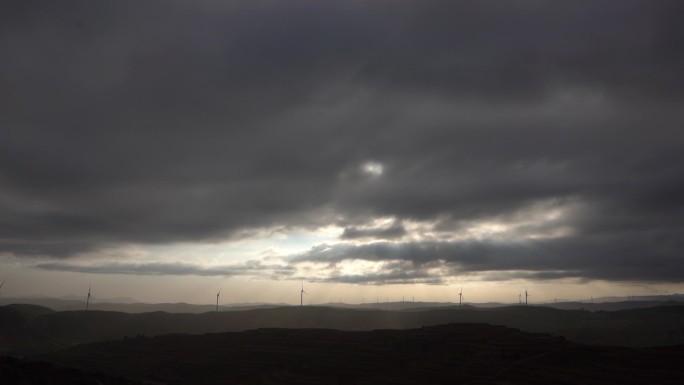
[
  {"x": 164, "y": 121},
  {"x": 156, "y": 268}
]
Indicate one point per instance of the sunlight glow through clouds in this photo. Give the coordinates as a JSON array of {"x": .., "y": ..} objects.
[
  {"x": 266, "y": 253},
  {"x": 359, "y": 267},
  {"x": 537, "y": 221},
  {"x": 373, "y": 168}
]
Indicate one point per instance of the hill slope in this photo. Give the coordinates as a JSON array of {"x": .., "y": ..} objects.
[
  {"x": 456, "y": 353},
  {"x": 38, "y": 331},
  {"x": 13, "y": 371}
]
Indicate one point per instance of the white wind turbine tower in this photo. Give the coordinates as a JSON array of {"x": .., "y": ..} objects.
[
  {"x": 218, "y": 293},
  {"x": 88, "y": 298},
  {"x": 301, "y": 295}
]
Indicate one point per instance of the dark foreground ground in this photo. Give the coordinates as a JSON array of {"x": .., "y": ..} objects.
[
  {"x": 21, "y": 372},
  {"x": 447, "y": 354}
]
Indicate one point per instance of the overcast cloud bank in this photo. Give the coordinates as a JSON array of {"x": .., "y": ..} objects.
[{"x": 468, "y": 123}]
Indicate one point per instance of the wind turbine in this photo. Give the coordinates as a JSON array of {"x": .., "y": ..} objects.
[
  {"x": 218, "y": 293},
  {"x": 526, "y": 295},
  {"x": 520, "y": 298},
  {"x": 460, "y": 297},
  {"x": 88, "y": 298},
  {"x": 301, "y": 296}
]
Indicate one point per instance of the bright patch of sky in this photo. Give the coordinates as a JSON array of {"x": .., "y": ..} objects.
[
  {"x": 267, "y": 243},
  {"x": 373, "y": 168}
]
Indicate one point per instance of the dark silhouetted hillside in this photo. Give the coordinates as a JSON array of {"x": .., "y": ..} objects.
[
  {"x": 26, "y": 332},
  {"x": 19, "y": 372},
  {"x": 447, "y": 354}
]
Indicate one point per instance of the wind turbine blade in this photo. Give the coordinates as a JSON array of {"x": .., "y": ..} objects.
[{"x": 3, "y": 283}]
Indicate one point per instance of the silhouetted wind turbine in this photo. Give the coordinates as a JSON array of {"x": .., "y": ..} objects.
[
  {"x": 520, "y": 298},
  {"x": 88, "y": 298},
  {"x": 218, "y": 293},
  {"x": 301, "y": 296},
  {"x": 526, "y": 295},
  {"x": 460, "y": 297}
]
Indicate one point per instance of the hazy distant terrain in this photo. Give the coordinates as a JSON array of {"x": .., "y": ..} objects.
[
  {"x": 129, "y": 305},
  {"x": 26, "y": 329},
  {"x": 58, "y": 304}
]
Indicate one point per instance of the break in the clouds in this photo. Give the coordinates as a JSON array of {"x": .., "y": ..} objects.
[{"x": 522, "y": 139}]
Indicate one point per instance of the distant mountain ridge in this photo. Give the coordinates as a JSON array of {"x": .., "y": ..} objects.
[
  {"x": 26, "y": 329},
  {"x": 130, "y": 305},
  {"x": 62, "y": 304}
]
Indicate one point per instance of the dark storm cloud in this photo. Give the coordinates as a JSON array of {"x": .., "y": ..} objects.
[
  {"x": 153, "y": 122},
  {"x": 253, "y": 268},
  {"x": 391, "y": 278}
]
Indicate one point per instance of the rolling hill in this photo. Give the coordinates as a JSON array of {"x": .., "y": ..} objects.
[
  {"x": 447, "y": 354},
  {"x": 28, "y": 329}
]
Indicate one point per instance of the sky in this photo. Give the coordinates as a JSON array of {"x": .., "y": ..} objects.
[{"x": 163, "y": 150}]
